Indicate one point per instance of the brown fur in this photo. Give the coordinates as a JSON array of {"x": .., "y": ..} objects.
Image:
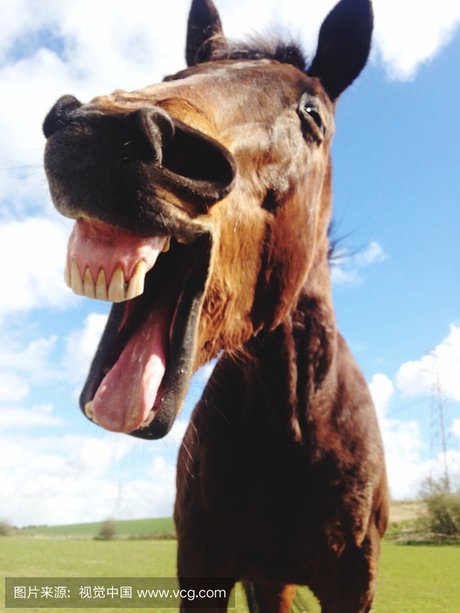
[{"x": 281, "y": 478}]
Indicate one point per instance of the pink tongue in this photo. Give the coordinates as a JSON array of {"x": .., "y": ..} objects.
[{"x": 129, "y": 390}]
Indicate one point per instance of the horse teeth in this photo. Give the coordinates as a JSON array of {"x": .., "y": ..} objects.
[
  {"x": 75, "y": 278},
  {"x": 136, "y": 283},
  {"x": 88, "y": 285},
  {"x": 67, "y": 274},
  {"x": 89, "y": 411},
  {"x": 116, "y": 289},
  {"x": 117, "y": 292},
  {"x": 101, "y": 286},
  {"x": 147, "y": 421}
]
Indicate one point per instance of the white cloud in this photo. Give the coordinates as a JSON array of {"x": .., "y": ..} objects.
[
  {"x": 73, "y": 478},
  {"x": 435, "y": 468},
  {"x": 12, "y": 388},
  {"x": 176, "y": 434},
  {"x": 51, "y": 478},
  {"x": 403, "y": 439},
  {"x": 27, "y": 364},
  {"x": 372, "y": 254},
  {"x": 436, "y": 372},
  {"x": 382, "y": 390},
  {"x": 153, "y": 497},
  {"x": 42, "y": 75},
  {"x": 81, "y": 346},
  {"x": 342, "y": 276},
  {"x": 96, "y": 454},
  {"x": 17, "y": 418},
  {"x": 346, "y": 268},
  {"x": 32, "y": 361},
  {"x": 409, "y": 33},
  {"x": 456, "y": 427},
  {"x": 32, "y": 256},
  {"x": 39, "y": 486},
  {"x": 403, "y": 443}
]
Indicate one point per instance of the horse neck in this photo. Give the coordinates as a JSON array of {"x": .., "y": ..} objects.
[{"x": 285, "y": 368}]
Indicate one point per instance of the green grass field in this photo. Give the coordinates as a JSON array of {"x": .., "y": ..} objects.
[
  {"x": 130, "y": 528},
  {"x": 414, "y": 579}
]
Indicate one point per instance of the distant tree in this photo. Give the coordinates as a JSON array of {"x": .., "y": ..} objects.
[
  {"x": 108, "y": 530},
  {"x": 443, "y": 507},
  {"x": 5, "y": 528}
]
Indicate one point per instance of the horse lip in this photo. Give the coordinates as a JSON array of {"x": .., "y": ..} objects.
[
  {"x": 162, "y": 217},
  {"x": 203, "y": 193}
]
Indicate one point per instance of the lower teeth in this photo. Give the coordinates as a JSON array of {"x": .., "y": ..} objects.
[{"x": 89, "y": 411}]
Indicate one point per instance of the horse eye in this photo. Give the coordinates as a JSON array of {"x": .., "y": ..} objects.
[
  {"x": 310, "y": 114},
  {"x": 315, "y": 116}
]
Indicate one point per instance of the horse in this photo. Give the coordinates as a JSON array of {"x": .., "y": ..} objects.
[{"x": 202, "y": 206}]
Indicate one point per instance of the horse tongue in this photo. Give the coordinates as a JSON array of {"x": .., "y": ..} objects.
[{"x": 128, "y": 392}]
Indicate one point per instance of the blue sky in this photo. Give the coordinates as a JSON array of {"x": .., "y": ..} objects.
[{"x": 396, "y": 282}]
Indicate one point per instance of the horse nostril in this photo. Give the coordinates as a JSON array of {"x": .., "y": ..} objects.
[
  {"x": 199, "y": 158},
  {"x": 185, "y": 158},
  {"x": 153, "y": 129},
  {"x": 59, "y": 115}
]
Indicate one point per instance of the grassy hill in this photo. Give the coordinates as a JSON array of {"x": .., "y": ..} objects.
[
  {"x": 160, "y": 527},
  {"x": 402, "y": 514}
]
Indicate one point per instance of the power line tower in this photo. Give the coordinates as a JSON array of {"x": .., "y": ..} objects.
[
  {"x": 439, "y": 417},
  {"x": 118, "y": 501}
]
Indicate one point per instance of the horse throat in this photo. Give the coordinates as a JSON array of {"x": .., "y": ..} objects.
[{"x": 280, "y": 371}]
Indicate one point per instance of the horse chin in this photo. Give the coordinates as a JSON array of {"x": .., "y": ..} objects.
[{"x": 143, "y": 364}]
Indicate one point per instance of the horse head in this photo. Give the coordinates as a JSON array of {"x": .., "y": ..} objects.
[{"x": 201, "y": 206}]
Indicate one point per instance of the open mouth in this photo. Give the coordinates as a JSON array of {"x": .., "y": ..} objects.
[
  {"x": 140, "y": 373},
  {"x": 151, "y": 258}
]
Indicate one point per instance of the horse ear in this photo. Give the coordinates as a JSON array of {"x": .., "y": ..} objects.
[
  {"x": 203, "y": 24},
  {"x": 343, "y": 45}
]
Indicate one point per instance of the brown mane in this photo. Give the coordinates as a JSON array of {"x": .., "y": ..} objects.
[{"x": 260, "y": 48}]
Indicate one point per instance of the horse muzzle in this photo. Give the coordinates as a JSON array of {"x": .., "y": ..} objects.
[{"x": 127, "y": 168}]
